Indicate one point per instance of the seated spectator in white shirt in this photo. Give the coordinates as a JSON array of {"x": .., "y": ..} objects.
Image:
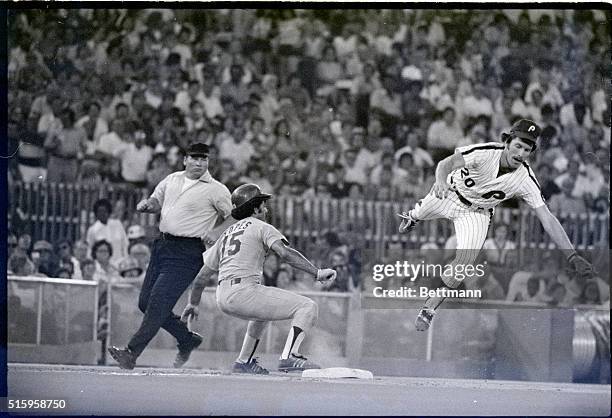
[
  {"x": 550, "y": 92},
  {"x": 519, "y": 108},
  {"x": 533, "y": 108},
  {"x": 387, "y": 100},
  {"x": 95, "y": 126},
  {"x": 443, "y": 135},
  {"x": 195, "y": 119},
  {"x": 210, "y": 96},
  {"x": 420, "y": 156},
  {"x": 346, "y": 43},
  {"x": 576, "y": 113},
  {"x": 477, "y": 103},
  {"x": 185, "y": 98},
  {"x": 109, "y": 143},
  {"x": 135, "y": 157},
  {"x": 110, "y": 230},
  {"x": 237, "y": 149},
  {"x": 354, "y": 173},
  {"x": 387, "y": 162}
]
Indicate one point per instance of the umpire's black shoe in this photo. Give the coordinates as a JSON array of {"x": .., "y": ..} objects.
[
  {"x": 124, "y": 356},
  {"x": 186, "y": 349}
]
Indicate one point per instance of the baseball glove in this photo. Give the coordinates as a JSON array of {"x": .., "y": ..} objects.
[{"x": 580, "y": 266}]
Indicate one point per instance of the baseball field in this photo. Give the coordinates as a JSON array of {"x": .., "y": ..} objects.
[{"x": 89, "y": 390}]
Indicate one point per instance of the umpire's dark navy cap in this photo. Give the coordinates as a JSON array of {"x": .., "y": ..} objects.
[
  {"x": 526, "y": 129},
  {"x": 198, "y": 150}
]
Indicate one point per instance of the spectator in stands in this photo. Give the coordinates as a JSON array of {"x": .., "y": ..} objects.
[
  {"x": 328, "y": 69},
  {"x": 497, "y": 247},
  {"x": 136, "y": 235},
  {"x": 107, "y": 229},
  {"x": 565, "y": 202},
  {"x": 94, "y": 125},
  {"x": 142, "y": 254},
  {"x": 11, "y": 244},
  {"x": 31, "y": 157},
  {"x": 345, "y": 281},
  {"x": 66, "y": 146},
  {"x": 88, "y": 269},
  {"x": 67, "y": 259},
  {"x": 43, "y": 258},
  {"x": 101, "y": 253},
  {"x": 487, "y": 283},
  {"x": 135, "y": 156},
  {"x": 19, "y": 264},
  {"x": 235, "y": 148},
  {"x": 526, "y": 287},
  {"x": 548, "y": 185},
  {"x": 443, "y": 135},
  {"x": 130, "y": 271},
  {"x": 421, "y": 157},
  {"x": 557, "y": 294},
  {"x": 590, "y": 294},
  {"x": 158, "y": 170},
  {"x": 81, "y": 251}
]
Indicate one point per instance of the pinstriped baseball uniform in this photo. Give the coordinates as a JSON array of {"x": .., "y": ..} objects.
[
  {"x": 238, "y": 256},
  {"x": 476, "y": 190}
]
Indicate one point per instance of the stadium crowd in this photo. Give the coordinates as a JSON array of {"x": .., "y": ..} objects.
[{"x": 355, "y": 104}]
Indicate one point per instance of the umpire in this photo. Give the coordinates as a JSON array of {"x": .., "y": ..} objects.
[{"x": 191, "y": 204}]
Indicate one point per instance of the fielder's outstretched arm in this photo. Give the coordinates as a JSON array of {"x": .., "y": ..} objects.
[
  {"x": 553, "y": 228},
  {"x": 295, "y": 259}
]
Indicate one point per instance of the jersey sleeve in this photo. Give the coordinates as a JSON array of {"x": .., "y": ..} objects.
[
  {"x": 270, "y": 235},
  {"x": 212, "y": 256},
  {"x": 530, "y": 192},
  {"x": 160, "y": 190},
  {"x": 472, "y": 154}
]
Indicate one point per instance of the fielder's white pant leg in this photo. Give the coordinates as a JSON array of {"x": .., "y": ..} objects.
[
  {"x": 471, "y": 227},
  {"x": 430, "y": 207}
]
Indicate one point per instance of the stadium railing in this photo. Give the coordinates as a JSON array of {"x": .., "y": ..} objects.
[{"x": 52, "y": 211}]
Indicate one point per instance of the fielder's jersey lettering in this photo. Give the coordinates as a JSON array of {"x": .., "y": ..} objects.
[{"x": 479, "y": 182}]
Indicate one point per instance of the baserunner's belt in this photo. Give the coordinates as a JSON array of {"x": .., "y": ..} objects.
[{"x": 237, "y": 281}]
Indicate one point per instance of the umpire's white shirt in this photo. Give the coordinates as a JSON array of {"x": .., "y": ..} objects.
[
  {"x": 194, "y": 211},
  {"x": 479, "y": 182}
]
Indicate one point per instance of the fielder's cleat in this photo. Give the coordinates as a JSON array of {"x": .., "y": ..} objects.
[
  {"x": 296, "y": 363},
  {"x": 185, "y": 350},
  {"x": 408, "y": 223},
  {"x": 123, "y": 356},
  {"x": 252, "y": 367},
  {"x": 424, "y": 318}
]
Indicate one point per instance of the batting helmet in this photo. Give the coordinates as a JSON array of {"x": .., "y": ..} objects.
[{"x": 245, "y": 198}]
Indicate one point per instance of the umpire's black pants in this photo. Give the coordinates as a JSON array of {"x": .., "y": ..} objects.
[{"x": 173, "y": 266}]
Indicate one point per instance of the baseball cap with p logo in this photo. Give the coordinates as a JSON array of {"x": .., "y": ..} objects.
[{"x": 526, "y": 129}]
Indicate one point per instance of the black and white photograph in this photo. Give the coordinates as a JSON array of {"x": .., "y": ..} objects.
[{"x": 315, "y": 209}]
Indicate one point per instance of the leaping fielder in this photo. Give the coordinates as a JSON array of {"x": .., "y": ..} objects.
[
  {"x": 481, "y": 177},
  {"x": 238, "y": 256}
]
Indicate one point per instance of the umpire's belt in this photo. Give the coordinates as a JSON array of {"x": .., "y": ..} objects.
[
  {"x": 170, "y": 237},
  {"x": 467, "y": 202}
]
